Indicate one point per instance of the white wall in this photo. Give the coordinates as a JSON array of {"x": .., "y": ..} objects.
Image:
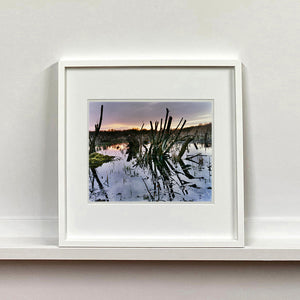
[
  {"x": 263, "y": 34},
  {"x": 149, "y": 281}
]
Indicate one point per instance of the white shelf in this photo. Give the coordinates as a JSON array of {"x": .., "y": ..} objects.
[
  {"x": 47, "y": 249},
  {"x": 36, "y": 239}
]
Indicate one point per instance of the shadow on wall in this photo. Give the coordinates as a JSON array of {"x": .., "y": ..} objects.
[
  {"x": 149, "y": 280},
  {"x": 248, "y": 151},
  {"x": 50, "y": 150}
]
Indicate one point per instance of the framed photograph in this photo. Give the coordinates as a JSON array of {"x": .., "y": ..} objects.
[
  {"x": 168, "y": 159},
  {"x": 150, "y": 154}
]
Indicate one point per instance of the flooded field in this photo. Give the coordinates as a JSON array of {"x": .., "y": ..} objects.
[
  {"x": 150, "y": 151},
  {"x": 127, "y": 178}
]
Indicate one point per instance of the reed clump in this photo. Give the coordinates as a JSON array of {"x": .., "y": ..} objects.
[{"x": 163, "y": 138}]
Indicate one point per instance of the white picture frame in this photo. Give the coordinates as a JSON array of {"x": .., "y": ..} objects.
[{"x": 75, "y": 75}]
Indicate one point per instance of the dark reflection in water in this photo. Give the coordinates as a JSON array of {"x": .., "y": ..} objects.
[
  {"x": 102, "y": 195},
  {"x": 130, "y": 178}
]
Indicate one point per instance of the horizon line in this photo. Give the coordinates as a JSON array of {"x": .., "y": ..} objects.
[{"x": 144, "y": 129}]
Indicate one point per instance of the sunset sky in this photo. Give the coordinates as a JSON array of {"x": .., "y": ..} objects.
[{"x": 122, "y": 115}]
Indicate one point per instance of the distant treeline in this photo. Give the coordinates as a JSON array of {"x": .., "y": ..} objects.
[{"x": 124, "y": 136}]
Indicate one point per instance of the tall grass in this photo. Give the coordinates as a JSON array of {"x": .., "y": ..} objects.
[{"x": 163, "y": 138}]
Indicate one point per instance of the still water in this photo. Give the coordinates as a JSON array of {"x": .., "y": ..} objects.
[{"x": 187, "y": 180}]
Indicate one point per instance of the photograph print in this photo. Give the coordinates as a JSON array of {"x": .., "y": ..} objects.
[{"x": 150, "y": 151}]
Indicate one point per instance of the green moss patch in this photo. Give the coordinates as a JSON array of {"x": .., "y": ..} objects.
[{"x": 96, "y": 159}]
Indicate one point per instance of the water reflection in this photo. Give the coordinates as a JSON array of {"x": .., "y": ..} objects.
[{"x": 130, "y": 178}]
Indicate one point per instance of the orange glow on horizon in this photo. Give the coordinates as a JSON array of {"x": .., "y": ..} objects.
[{"x": 124, "y": 127}]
